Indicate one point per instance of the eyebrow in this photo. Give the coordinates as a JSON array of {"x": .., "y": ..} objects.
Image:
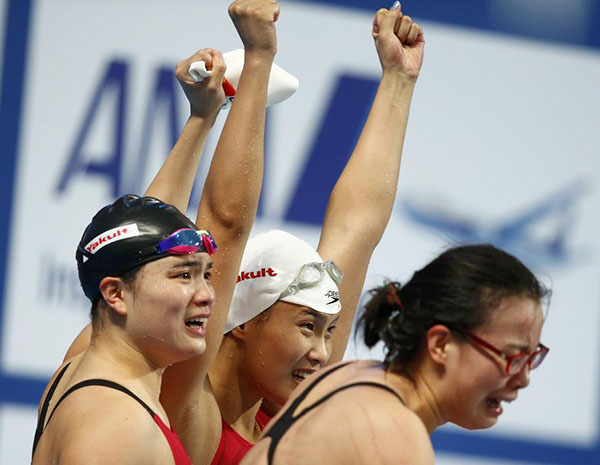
[
  {"x": 319, "y": 316},
  {"x": 191, "y": 263},
  {"x": 521, "y": 347}
]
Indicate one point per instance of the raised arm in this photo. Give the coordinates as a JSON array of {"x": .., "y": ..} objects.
[
  {"x": 232, "y": 189},
  {"x": 361, "y": 203},
  {"x": 173, "y": 183}
]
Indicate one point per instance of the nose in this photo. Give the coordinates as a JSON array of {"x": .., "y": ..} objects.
[
  {"x": 205, "y": 294},
  {"x": 320, "y": 351},
  {"x": 521, "y": 379}
]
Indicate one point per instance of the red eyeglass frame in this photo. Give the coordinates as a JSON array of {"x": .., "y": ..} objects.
[{"x": 540, "y": 352}]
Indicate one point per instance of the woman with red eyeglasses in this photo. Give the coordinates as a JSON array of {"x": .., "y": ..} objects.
[{"x": 460, "y": 338}]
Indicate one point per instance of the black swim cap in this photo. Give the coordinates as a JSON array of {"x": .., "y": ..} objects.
[{"x": 121, "y": 237}]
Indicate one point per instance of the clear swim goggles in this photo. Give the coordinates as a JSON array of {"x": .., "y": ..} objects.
[
  {"x": 311, "y": 274},
  {"x": 187, "y": 241}
]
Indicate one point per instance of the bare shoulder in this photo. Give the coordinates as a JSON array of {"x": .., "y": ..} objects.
[
  {"x": 99, "y": 425},
  {"x": 67, "y": 372},
  {"x": 391, "y": 433}
]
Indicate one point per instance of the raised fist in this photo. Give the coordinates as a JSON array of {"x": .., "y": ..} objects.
[
  {"x": 205, "y": 97},
  {"x": 399, "y": 41},
  {"x": 255, "y": 23}
]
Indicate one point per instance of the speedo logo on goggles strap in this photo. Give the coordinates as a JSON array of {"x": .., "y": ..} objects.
[
  {"x": 311, "y": 274},
  {"x": 333, "y": 295},
  {"x": 112, "y": 235}
]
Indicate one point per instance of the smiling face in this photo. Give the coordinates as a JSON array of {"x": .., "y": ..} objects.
[
  {"x": 478, "y": 376},
  {"x": 284, "y": 346},
  {"x": 167, "y": 307}
]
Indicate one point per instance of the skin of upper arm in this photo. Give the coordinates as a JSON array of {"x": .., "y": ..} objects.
[
  {"x": 200, "y": 418},
  {"x": 99, "y": 428},
  {"x": 347, "y": 255},
  {"x": 376, "y": 429},
  {"x": 391, "y": 433},
  {"x": 404, "y": 442}
]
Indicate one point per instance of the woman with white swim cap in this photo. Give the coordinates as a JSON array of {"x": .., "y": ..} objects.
[
  {"x": 289, "y": 297},
  {"x": 460, "y": 340}
]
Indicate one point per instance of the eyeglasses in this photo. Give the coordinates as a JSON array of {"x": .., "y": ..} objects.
[
  {"x": 312, "y": 274},
  {"x": 187, "y": 241},
  {"x": 514, "y": 363}
]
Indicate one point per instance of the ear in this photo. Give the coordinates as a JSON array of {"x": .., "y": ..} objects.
[
  {"x": 112, "y": 289},
  {"x": 239, "y": 332},
  {"x": 439, "y": 338}
]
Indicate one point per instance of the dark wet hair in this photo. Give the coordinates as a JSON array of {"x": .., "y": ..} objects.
[{"x": 458, "y": 288}]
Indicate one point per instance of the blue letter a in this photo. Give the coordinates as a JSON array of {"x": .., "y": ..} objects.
[
  {"x": 331, "y": 148},
  {"x": 114, "y": 81}
]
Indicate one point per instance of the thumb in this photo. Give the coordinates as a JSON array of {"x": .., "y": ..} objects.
[{"x": 385, "y": 22}]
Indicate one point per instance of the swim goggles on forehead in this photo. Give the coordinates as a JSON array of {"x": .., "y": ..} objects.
[
  {"x": 187, "y": 241},
  {"x": 311, "y": 274}
]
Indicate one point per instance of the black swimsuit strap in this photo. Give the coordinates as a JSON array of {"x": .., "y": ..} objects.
[
  {"x": 287, "y": 419},
  {"x": 298, "y": 400},
  {"x": 44, "y": 411},
  {"x": 361, "y": 383},
  {"x": 105, "y": 383},
  {"x": 82, "y": 384}
]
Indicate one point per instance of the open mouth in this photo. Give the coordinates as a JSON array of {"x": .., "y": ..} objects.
[
  {"x": 493, "y": 403},
  {"x": 300, "y": 375},
  {"x": 196, "y": 325},
  {"x": 494, "y": 406}
]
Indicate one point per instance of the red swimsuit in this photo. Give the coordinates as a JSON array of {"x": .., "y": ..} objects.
[
  {"x": 179, "y": 454},
  {"x": 232, "y": 446}
]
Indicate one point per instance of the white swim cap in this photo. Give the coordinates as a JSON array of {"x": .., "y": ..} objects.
[{"x": 271, "y": 262}]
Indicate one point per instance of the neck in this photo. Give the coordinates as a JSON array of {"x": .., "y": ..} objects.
[
  {"x": 237, "y": 396},
  {"x": 419, "y": 396},
  {"x": 112, "y": 356}
]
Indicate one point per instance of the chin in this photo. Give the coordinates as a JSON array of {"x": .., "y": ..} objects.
[
  {"x": 198, "y": 348},
  {"x": 480, "y": 423},
  {"x": 278, "y": 396}
]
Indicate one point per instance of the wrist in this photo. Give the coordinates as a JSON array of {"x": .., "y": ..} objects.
[
  {"x": 200, "y": 122},
  {"x": 259, "y": 56},
  {"x": 398, "y": 81}
]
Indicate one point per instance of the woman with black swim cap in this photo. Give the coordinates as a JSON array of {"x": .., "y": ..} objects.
[
  {"x": 145, "y": 267},
  {"x": 150, "y": 266},
  {"x": 460, "y": 340}
]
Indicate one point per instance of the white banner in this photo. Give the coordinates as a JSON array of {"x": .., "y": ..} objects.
[{"x": 502, "y": 147}]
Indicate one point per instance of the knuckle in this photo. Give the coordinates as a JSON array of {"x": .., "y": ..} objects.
[
  {"x": 179, "y": 68},
  {"x": 234, "y": 9}
]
